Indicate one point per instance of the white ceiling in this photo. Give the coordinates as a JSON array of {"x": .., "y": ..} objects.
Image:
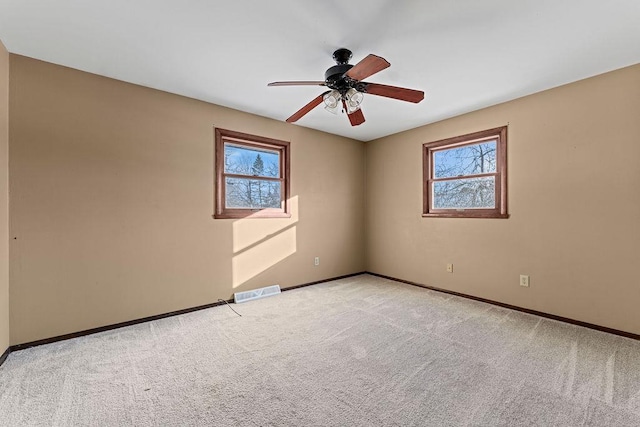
[{"x": 464, "y": 54}]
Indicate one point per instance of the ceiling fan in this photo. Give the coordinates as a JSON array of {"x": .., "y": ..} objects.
[{"x": 348, "y": 89}]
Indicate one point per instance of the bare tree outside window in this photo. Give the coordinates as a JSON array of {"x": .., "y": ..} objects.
[
  {"x": 247, "y": 192},
  {"x": 465, "y": 193},
  {"x": 466, "y": 176},
  {"x": 251, "y": 176}
]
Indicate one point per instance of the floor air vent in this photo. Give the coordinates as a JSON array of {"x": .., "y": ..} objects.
[{"x": 245, "y": 296}]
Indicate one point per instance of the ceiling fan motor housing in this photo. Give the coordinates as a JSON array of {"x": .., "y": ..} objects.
[{"x": 335, "y": 77}]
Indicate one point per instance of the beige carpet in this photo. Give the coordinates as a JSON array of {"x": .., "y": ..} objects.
[{"x": 362, "y": 351}]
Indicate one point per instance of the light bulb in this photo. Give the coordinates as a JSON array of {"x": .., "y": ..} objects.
[
  {"x": 332, "y": 99},
  {"x": 354, "y": 99}
]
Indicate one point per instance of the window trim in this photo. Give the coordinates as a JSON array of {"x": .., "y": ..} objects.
[
  {"x": 428, "y": 148},
  {"x": 251, "y": 141}
]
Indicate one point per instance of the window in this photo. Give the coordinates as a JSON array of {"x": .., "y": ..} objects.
[
  {"x": 466, "y": 176},
  {"x": 252, "y": 176}
]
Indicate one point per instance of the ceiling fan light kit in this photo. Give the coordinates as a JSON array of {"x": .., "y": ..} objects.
[
  {"x": 332, "y": 101},
  {"x": 354, "y": 99},
  {"x": 348, "y": 88}
]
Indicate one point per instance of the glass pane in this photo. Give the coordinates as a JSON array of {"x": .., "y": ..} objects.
[
  {"x": 251, "y": 161},
  {"x": 466, "y": 193},
  {"x": 252, "y": 193},
  {"x": 466, "y": 160}
]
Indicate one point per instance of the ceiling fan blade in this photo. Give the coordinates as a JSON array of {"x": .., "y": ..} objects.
[
  {"x": 367, "y": 67},
  {"x": 297, "y": 83},
  {"x": 356, "y": 118},
  {"x": 401, "y": 93},
  {"x": 304, "y": 110}
]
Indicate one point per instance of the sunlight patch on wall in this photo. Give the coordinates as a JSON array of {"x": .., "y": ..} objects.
[
  {"x": 248, "y": 232},
  {"x": 259, "y": 244},
  {"x": 258, "y": 258}
]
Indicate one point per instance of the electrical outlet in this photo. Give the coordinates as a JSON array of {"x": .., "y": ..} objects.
[
  {"x": 449, "y": 268},
  {"x": 316, "y": 261},
  {"x": 524, "y": 280}
]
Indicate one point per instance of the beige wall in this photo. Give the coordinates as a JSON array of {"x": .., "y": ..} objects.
[
  {"x": 111, "y": 203},
  {"x": 112, "y": 197},
  {"x": 4, "y": 198},
  {"x": 574, "y": 200}
]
